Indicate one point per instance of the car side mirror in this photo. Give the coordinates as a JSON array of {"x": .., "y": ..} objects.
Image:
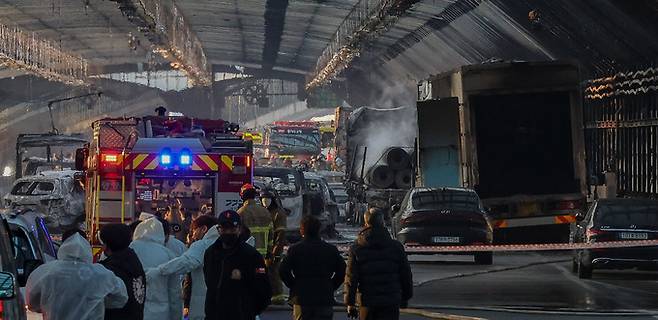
[
  {"x": 395, "y": 208},
  {"x": 7, "y": 286},
  {"x": 580, "y": 216}
]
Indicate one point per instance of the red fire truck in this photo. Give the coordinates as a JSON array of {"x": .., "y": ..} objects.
[{"x": 136, "y": 165}]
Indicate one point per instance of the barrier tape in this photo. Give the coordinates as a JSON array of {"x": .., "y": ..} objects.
[{"x": 524, "y": 247}]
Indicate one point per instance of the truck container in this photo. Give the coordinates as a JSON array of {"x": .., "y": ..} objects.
[{"x": 512, "y": 132}]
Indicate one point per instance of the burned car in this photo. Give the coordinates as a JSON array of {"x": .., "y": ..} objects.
[{"x": 58, "y": 194}]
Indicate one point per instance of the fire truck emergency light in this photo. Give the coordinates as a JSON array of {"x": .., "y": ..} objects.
[
  {"x": 185, "y": 158},
  {"x": 165, "y": 157}
]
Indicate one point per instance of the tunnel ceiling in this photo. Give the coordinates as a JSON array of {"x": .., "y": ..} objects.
[
  {"x": 603, "y": 36},
  {"x": 433, "y": 35}
]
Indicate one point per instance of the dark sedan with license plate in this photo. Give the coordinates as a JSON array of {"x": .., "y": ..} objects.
[
  {"x": 443, "y": 217},
  {"x": 616, "y": 220}
]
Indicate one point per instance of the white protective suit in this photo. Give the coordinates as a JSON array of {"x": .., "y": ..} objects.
[
  {"x": 192, "y": 261},
  {"x": 72, "y": 287},
  {"x": 176, "y": 246},
  {"x": 162, "y": 297}
]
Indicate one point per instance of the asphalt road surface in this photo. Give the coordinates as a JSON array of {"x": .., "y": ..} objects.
[
  {"x": 539, "y": 285},
  {"x": 287, "y": 315}
]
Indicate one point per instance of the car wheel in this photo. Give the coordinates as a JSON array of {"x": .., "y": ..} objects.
[
  {"x": 584, "y": 271},
  {"x": 484, "y": 258}
]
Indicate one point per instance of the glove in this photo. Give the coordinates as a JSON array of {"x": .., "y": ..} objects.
[{"x": 352, "y": 312}]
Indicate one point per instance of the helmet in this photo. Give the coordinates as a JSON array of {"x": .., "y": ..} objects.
[
  {"x": 246, "y": 187},
  {"x": 268, "y": 198}
]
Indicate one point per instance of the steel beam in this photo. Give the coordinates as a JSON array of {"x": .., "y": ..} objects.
[
  {"x": 275, "y": 16},
  {"x": 367, "y": 20}
]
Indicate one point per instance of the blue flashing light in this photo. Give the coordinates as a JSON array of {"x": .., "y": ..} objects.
[
  {"x": 185, "y": 159},
  {"x": 165, "y": 157}
]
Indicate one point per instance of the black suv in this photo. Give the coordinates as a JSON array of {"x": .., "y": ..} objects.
[
  {"x": 443, "y": 217},
  {"x": 616, "y": 220}
]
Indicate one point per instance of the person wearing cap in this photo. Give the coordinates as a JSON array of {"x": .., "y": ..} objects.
[
  {"x": 125, "y": 264},
  {"x": 271, "y": 201},
  {"x": 203, "y": 234},
  {"x": 378, "y": 273},
  {"x": 257, "y": 219},
  {"x": 235, "y": 275}
]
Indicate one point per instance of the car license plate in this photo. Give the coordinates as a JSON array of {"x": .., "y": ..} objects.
[
  {"x": 445, "y": 239},
  {"x": 634, "y": 235}
]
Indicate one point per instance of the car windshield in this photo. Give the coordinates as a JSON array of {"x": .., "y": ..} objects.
[
  {"x": 626, "y": 215},
  {"x": 445, "y": 199}
]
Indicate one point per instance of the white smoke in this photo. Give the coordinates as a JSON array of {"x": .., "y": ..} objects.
[{"x": 397, "y": 131}]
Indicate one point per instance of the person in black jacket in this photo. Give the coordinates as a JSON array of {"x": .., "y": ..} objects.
[
  {"x": 378, "y": 269},
  {"x": 313, "y": 270},
  {"x": 235, "y": 275},
  {"x": 125, "y": 264}
]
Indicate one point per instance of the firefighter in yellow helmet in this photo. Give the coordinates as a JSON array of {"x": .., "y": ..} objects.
[{"x": 258, "y": 220}]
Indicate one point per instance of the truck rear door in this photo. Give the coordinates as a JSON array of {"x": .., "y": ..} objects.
[{"x": 439, "y": 143}]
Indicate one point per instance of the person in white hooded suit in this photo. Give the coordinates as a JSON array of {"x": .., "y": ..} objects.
[
  {"x": 204, "y": 233},
  {"x": 162, "y": 295},
  {"x": 61, "y": 289}
]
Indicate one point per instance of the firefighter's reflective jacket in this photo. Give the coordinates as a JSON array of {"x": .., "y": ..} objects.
[
  {"x": 279, "y": 218},
  {"x": 259, "y": 221}
]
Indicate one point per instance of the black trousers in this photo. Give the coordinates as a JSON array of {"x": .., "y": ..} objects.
[
  {"x": 379, "y": 313},
  {"x": 312, "y": 312}
]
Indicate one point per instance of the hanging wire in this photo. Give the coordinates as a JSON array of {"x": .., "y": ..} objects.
[{"x": 27, "y": 52}]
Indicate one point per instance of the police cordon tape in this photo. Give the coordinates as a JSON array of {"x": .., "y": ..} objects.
[{"x": 523, "y": 247}]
